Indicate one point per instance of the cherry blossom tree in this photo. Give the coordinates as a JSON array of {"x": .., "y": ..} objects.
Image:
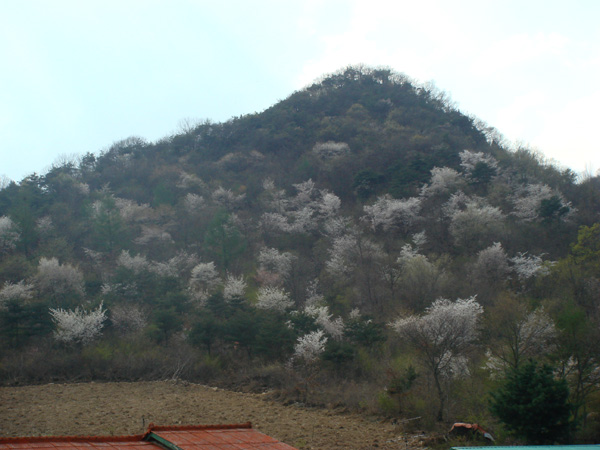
[
  {"x": 476, "y": 225},
  {"x": 323, "y": 319},
  {"x": 9, "y": 234},
  {"x": 443, "y": 336},
  {"x": 443, "y": 180},
  {"x": 58, "y": 280},
  {"x": 529, "y": 266},
  {"x": 331, "y": 150},
  {"x": 78, "y": 326},
  {"x": 16, "y": 291},
  {"x": 392, "y": 214},
  {"x": 275, "y": 199},
  {"x": 540, "y": 202},
  {"x": 273, "y": 260},
  {"x": 314, "y": 297},
  {"x": 137, "y": 264},
  {"x": 309, "y": 347},
  {"x": 227, "y": 199},
  {"x": 131, "y": 211},
  {"x": 152, "y": 235},
  {"x": 190, "y": 181},
  {"x": 274, "y": 299},
  {"x": 470, "y": 161},
  {"x": 234, "y": 288},
  {"x": 490, "y": 271},
  {"x": 303, "y": 213},
  {"x": 204, "y": 280},
  {"x": 194, "y": 204}
]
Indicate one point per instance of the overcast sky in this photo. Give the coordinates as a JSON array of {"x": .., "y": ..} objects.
[{"x": 79, "y": 75}]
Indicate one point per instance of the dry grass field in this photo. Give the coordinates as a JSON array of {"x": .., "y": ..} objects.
[{"x": 128, "y": 408}]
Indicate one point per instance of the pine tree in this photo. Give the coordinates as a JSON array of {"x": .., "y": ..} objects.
[{"x": 533, "y": 405}]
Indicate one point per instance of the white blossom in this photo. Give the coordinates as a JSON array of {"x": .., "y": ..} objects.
[
  {"x": 163, "y": 269},
  {"x": 153, "y": 234},
  {"x": 78, "y": 326},
  {"x": 341, "y": 260},
  {"x": 303, "y": 213},
  {"x": 354, "y": 314},
  {"x": 235, "y": 287},
  {"x": 492, "y": 264},
  {"x": 407, "y": 254},
  {"x": 204, "y": 280},
  {"x": 529, "y": 266},
  {"x": 329, "y": 205},
  {"x": 227, "y": 199},
  {"x": 476, "y": 225},
  {"x": 393, "y": 214},
  {"x": 193, "y": 203},
  {"x": 190, "y": 180},
  {"x": 305, "y": 193},
  {"x": 470, "y": 159},
  {"x": 443, "y": 336},
  {"x": 83, "y": 188},
  {"x": 272, "y": 298},
  {"x": 419, "y": 239},
  {"x": 57, "y": 278},
  {"x": 310, "y": 346},
  {"x": 331, "y": 149},
  {"x": 313, "y": 294},
  {"x": 277, "y": 198},
  {"x": 537, "y": 332},
  {"x": 275, "y": 222},
  {"x": 9, "y": 234},
  {"x": 528, "y": 202},
  {"x": 528, "y": 199},
  {"x": 457, "y": 202},
  {"x": 322, "y": 317},
  {"x": 137, "y": 263},
  {"x": 443, "y": 180},
  {"x": 302, "y": 220},
  {"x": 336, "y": 226},
  {"x": 447, "y": 328},
  {"x": 120, "y": 290},
  {"x": 131, "y": 211},
  {"x": 280, "y": 263},
  {"x": 16, "y": 291}
]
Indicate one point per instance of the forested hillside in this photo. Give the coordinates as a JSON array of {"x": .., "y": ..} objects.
[{"x": 361, "y": 242}]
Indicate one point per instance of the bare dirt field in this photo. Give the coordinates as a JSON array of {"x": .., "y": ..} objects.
[{"x": 128, "y": 408}]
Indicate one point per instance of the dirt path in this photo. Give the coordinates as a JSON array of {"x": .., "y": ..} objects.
[{"x": 128, "y": 408}]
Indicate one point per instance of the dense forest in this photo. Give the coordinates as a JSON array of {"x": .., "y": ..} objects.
[{"x": 361, "y": 243}]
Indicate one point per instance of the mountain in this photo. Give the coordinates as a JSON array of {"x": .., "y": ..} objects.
[{"x": 298, "y": 232}]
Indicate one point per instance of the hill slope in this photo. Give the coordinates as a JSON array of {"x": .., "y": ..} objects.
[{"x": 295, "y": 236}]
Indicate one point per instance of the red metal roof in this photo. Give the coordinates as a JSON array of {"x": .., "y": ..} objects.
[{"x": 203, "y": 437}]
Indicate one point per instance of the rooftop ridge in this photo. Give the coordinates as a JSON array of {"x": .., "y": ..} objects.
[
  {"x": 159, "y": 428},
  {"x": 34, "y": 439},
  {"x": 124, "y": 438}
]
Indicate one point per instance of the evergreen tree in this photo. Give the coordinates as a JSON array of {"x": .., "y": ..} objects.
[{"x": 533, "y": 405}]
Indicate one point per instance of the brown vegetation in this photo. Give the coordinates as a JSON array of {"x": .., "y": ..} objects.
[{"x": 128, "y": 408}]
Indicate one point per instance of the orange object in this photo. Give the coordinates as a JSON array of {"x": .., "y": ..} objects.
[{"x": 202, "y": 437}]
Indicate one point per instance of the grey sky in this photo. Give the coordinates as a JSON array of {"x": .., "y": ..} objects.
[{"x": 79, "y": 75}]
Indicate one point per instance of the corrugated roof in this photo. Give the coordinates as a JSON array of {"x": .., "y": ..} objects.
[{"x": 203, "y": 437}]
